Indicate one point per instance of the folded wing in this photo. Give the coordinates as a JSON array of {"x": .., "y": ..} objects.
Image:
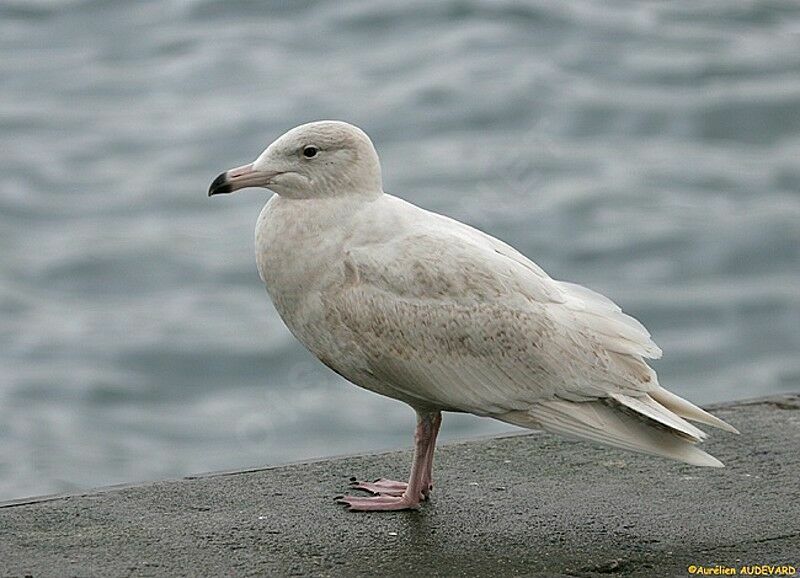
[{"x": 461, "y": 321}]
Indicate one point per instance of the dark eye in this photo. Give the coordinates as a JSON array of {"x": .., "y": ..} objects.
[{"x": 310, "y": 151}]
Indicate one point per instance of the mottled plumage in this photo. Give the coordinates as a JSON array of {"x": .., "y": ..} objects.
[{"x": 430, "y": 311}]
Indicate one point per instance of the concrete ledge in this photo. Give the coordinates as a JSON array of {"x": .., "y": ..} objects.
[{"x": 526, "y": 505}]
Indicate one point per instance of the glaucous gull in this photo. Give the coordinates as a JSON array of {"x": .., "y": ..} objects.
[{"x": 427, "y": 310}]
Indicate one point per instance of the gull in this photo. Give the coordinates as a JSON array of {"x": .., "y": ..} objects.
[{"x": 424, "y": 309}]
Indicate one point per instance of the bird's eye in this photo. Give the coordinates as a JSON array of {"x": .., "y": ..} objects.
[{"x": 310, "y": 151}]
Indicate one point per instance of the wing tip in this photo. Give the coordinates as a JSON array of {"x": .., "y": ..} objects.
[
  {"x": 600, "y": 423},
  {"x": 725, "y": 426},
  {"x": 688, "y": 410}
]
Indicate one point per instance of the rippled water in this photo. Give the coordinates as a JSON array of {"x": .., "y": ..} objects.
[{"x": 647, "y": 150}]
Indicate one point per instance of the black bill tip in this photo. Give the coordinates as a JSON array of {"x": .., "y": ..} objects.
[{"x": 220, "y": 186}]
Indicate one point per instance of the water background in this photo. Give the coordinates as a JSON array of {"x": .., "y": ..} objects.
[{"x": 648, "y": 150}]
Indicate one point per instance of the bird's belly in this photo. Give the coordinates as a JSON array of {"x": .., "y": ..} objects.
[{"x": 315, "y": 325}]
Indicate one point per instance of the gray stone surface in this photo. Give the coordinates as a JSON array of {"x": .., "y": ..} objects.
[{"x": 518, "y": 505}]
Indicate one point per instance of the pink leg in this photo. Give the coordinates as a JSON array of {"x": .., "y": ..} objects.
[
  {"x": 385, "y": 487},
  {"x": 437, "y": 423},
  {"x": 393, "y": 495}
]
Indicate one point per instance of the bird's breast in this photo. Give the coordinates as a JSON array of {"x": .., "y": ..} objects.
[{"x": 299, "y": 253}]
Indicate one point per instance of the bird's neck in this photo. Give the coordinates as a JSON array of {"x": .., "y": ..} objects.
[{"x": 296, "y": 239}]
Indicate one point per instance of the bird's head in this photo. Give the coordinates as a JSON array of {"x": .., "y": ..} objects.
[{"x": 319, "y": 159}]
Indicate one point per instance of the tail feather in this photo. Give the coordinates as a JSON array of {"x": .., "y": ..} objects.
[
  {"x": 688, "y": 410},
  {"x": 600, "y": 422}
]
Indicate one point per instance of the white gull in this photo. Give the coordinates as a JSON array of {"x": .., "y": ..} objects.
[{"x": 430, "y": 311}]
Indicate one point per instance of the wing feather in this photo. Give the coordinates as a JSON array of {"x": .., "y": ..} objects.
[
  {"x": 622, "y": 333},
  {"x": 449, "y": 317},
  {"x": 453, "y": 321}
]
